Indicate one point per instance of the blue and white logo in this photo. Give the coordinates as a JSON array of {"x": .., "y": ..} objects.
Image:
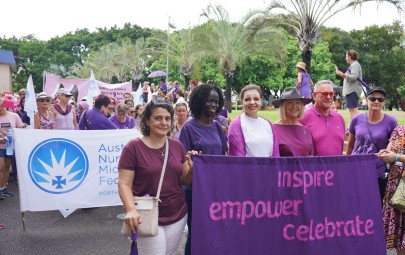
[{"x": 58, "y": 165}]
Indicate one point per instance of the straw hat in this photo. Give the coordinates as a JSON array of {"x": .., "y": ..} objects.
[
  {"x": 291, "y": 93},
  {"x": 301, "y": 65},
  {"x": 43, "y": 95}
]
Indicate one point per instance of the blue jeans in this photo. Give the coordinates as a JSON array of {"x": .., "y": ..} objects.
[{"x": 188, "y": 193}]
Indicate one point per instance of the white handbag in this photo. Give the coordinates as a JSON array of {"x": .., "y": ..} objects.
[{"x": 148, "y": 207}]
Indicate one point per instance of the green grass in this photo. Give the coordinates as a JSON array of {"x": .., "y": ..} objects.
[{"x": 273, "y": 115}]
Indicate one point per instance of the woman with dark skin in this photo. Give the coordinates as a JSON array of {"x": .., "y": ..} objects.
[{"x": 201, "y": 133}]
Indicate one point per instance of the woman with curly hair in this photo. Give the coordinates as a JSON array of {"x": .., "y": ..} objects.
[
  {"x": 140, "y": 166},
  {"x": 201, "y": 133}
]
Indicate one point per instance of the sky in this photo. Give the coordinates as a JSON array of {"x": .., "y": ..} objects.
[{"x": 49, "y": 18}]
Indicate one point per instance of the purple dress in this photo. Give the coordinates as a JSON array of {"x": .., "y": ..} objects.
[
  {"x": 294, "y": 140},
  {"x": 305, "y": 88}
]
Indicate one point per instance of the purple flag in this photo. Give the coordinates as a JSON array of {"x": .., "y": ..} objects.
[{"x": 302, "y": 205}]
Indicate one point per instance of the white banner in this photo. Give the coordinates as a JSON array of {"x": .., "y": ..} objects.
[{"x": 62, "y": 169}]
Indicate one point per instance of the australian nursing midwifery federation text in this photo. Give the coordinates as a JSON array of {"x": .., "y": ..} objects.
[
  {"x": 108, "y": 158},
  {"x": 324, "y": 228}
]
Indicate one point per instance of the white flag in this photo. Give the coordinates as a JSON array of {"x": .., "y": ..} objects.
[
  {"x": 93, "y": 90},
  {"x": 30, "y": 102},
  {"x": 138, "y": 96}
]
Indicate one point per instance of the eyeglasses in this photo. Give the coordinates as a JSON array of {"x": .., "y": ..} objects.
[
  {"x": 325, "y": 94},
  {"x": 43, "y": 100},
  {"x": 379, "y": 99},
  {"x": 131, "y": 111},
  {"x": 67, "y": 95}
]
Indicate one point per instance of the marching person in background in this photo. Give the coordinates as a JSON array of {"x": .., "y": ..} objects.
[
  {"x": 65, "y": 113},
  {"x": 81, "y": 107},
  {"x": 351, "y": 86},
  {"x": 121, "y": 120},
  {"x": 44, "y": 118},
  {"x": 249, "y": 134},
  {"x": 138, "y": 114},
  {"x": 21, "y": 111},
  {"x": 304, "y": 81},
  {"x": 145, "y": 91},
  {"x": 95, "y": 119},
  {"x": 327, "y": 127},
  {"x": 8, "y": 120},
  {"x": 140, "y": 166},
  {"x": 201, "y": 133},
  {"x": 181, "y": 112},
  {"x": 294, "y": 139},
  {"x": 370, "y": 132},
  {"x": 393, "y": 219}
]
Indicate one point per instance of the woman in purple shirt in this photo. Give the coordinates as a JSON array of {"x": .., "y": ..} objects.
[
  {"x": 370, "y": 132},
  {"x": 121, "y": 120},
  {"x": 294, "y": 139},
  {"x": 201, "y": 133},
  {"x": 95, "y": 119},
  {"x": 304, "y": 81}
]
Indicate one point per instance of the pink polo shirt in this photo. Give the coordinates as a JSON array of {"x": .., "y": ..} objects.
[{"x": 328, "y": 132}]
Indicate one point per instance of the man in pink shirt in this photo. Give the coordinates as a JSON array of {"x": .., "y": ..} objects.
[{"x": 327, "y": 127}]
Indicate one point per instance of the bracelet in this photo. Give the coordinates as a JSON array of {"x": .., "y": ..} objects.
[{"x": 396, "y": 158}]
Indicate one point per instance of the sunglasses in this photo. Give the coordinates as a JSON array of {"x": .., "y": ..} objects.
[
  {"x": 43, "y": 100},
  {"x": 131, "y": 111},
  {"x": 325, "y": 94},
  {"x": 379, "y": 99}
]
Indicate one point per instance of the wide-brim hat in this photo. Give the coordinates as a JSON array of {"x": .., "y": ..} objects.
[
  {"x": 64, "y": 91},
  {"x": 377, "y": 89},
  {"x": 43, "y": 95},
  {"x": 291, "y": 93},
  {"x": 301, "y": 65}
]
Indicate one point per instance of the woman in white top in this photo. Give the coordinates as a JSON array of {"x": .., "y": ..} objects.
[
  {"x": 249, "y": 134},
  {"x": 65, "y": 113}
]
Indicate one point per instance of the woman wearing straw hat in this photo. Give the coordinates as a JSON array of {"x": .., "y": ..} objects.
[
  {"x": 304, "y": 81},
  {"x": 294, "y": 139},
  {"x": 44, "y": 118}
]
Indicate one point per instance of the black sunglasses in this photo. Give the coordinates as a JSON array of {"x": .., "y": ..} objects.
[
  {"x": 379, "y": 99},
  {"x": 43, "y": 100}
]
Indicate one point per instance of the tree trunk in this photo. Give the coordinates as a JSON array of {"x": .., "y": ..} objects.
[
  {"x": 306, "y": 58},
  {"x": 134, "y": 84},
  {"x": 186, "y": 82},
  {"x": 228, "y": 94}
]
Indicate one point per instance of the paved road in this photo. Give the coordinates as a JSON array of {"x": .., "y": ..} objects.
[{"x": 83, "y": 232}]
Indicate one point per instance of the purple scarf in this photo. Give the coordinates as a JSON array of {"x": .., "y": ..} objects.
[{"x": 62, "y": 112}]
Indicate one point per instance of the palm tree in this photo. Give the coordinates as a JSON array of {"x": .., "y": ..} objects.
[
  {"x": 182, "y": 48},
  {"x": 136, "y": 58},
  {"x": 306, "y": 17},
  {"x": 230, "y": 43}
]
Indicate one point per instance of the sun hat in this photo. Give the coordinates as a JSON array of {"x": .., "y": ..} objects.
[
  {"x": 43, "y": 95},
  {"x": 377, "y": 89},
  {"x": 64, "y": 91},
  {"x": 23, "y": 90},
  {"x": 291, "y": 93},
  {"x": 301, "y": 65}
]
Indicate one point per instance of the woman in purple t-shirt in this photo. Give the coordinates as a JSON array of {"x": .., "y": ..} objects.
[
  {"x": 370, "y": 132},
  {"x": 121, "y": 119},
  {"x": 140, "y": 166},
  {"x": 201, "y": 133}
]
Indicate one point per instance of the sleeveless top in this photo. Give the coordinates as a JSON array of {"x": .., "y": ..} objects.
[
  {"x": 305, "y": 89},
  {"x": 45, "y": 123},
  {"x": 64, "y": 121}
]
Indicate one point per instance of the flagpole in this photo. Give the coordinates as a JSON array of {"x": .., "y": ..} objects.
[{"x": 167, "y": 56}]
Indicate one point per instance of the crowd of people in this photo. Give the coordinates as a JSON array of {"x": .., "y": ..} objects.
[{"x": 196, "y": 122}]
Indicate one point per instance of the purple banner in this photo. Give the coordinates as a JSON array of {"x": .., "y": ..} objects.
[{"x": 303, "y": 205}]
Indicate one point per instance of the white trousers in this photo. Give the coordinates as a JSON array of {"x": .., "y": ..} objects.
[{"x": 166, "y": 242}]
